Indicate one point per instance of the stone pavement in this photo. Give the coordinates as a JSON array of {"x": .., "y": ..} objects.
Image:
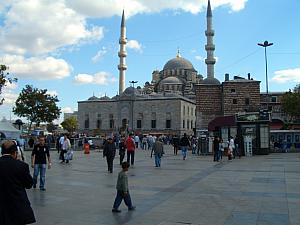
[{"x": 259, "y": 190}]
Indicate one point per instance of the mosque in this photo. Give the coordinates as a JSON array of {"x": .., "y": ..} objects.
[{"x": 177, "y": 100}]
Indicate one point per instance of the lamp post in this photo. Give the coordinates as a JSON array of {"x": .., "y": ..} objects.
[{"x": 265, "y": 45}]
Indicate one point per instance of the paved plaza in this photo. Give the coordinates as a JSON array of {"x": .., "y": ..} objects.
[{"x": 262, "y": 190}]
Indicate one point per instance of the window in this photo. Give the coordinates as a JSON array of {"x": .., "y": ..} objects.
[
  {"x": 188, "y": 124},
  {"x": 86, "y": 121},
  {"x": 99, "y": 122},
  {"x": 153, "y": 124},
  {"x": 247, "y": 101},
  {"x": 183, "y": 124},
  {"x": 99, "y": 115},
  {"x": 111, "y": 124},
  {"x": 191, "y": 124},
  {"x": 234, "y": 101},
  {"x": 274, "y": 99},
  {"x": 297, "y": 138},
  {"x": 183, "y": 110},
  {"x": 264, "y": 137},
  {"x": 232, "y": 90},
  {"x": 168, "y": 124},
  {"x": 188, "y": 112},
  {"x": 139, "y": 124}
]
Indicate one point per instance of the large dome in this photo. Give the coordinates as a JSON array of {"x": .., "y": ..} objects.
[{"x": 178, "y": 63}]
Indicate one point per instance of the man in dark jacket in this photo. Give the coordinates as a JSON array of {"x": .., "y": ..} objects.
[
  {"x": 15, "y": 176},
  {"x": 184, "y": 145},
  {"x": 109, "y": 152}
]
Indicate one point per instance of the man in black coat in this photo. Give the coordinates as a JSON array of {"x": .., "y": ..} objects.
[
  {"x": 109, "y": 152},
  {"x": 15, "y": 176}
]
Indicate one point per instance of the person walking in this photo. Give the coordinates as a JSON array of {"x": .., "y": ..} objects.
[
  {"x": 221, "y": 149},
  {"x": 122, "y": 190},
  {"x": 130, "y": 146},
  {"x": 66, "y": 145},
  {"x": 184, "y": 145},
  {"x": 158, "y": 149},
  {"x": 15, "y": 208},
  {"x": 39, "y": 156},
  {"x": 109, "y": 152},
  {"x": 136, "y": 141},
  {"x": 122, "y": 150},
  {"x": 175, "y": 142},
  {"x": 216, "y": 148}
]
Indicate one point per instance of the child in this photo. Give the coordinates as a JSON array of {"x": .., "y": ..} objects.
[{"x": 122, "y": 190}]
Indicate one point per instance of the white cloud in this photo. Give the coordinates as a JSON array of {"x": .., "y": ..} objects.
[
  {"x": 37, "y": 68},
  {"x": 8, "y": 93},
  {"x": 108, "y": 8},
  {"x": 135, "y": 45},
  {"x": 38, "y": 27},
  {"x": 200, "y": 58},
  {"x": 101, "y": 78},
  {"x": 288, "y": 75},
  {"x": 99, "y": 55},
  {"x": 67, "y": 110}
]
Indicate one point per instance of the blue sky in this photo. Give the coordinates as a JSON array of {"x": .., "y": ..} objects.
[{"x": 70, "y": 47}]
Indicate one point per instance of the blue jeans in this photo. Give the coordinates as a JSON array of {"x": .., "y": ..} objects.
[
  {"x": 120, "y": 196},
  {"x": 39, "y": 169},
  {"x": 157, "y": 160},
  {"x": 184, "y": 151}
]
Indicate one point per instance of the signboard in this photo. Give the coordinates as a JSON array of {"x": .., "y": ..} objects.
[{"x": 262, "y": 116}]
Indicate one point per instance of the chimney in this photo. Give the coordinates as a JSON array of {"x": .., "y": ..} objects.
[
  {"x": 226, "y": 76},
  {"x": 249, "y": 77}
]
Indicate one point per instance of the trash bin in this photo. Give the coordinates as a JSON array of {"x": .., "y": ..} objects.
[{"x": 86, "y": 148}]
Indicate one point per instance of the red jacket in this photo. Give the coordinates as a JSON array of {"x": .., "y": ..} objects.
[{"x": 130, "y": 146}]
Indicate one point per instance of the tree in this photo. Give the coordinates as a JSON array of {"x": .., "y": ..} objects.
[
  {"x": 51, "y": 126},
  {"x": 36, "y": 105},
  {"x": 291, "y": 104},
  {"x": 70, "y": 124},
  {"x": 4, "y": 80}
]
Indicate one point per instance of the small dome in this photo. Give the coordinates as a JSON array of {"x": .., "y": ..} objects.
[
  {"x": 213, "y": 81},
  {"x": 104, "y": 98},
  {"x": 171, "y": 80},
  {"x": 179, "y": 63},
  {"x": 130, "y": 91},
  {"x": 93, "y": 98}
]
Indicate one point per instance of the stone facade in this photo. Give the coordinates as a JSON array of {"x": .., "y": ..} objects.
[
  {"x": 228, "y": 98},
  {"x": 138, "y": 113}
]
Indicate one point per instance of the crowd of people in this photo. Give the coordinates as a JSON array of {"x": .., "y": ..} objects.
[{"x": 19, "y": 178}]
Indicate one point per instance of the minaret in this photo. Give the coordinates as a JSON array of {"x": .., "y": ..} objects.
[
  {"x": 122, "y": 55},
  {"x": 210, "y": 47}
]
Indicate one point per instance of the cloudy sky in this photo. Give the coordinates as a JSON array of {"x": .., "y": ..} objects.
[{"x": 69, "y": 47}]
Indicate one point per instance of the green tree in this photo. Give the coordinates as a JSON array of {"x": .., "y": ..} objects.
[
  {"x": 4, "y": 80},
  {"x": 70, "y": 124},
  {"x": 291, "y": 104},
  {"x": 51, "y": 126},
  {"x": 36, "y": 105}
]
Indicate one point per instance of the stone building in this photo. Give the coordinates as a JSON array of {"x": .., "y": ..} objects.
[{"x": 132, "y": 111}]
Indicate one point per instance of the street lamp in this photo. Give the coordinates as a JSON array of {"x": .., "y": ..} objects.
[
  {"x": 132, "y": 82},
  {"x": 265, "y": 45}
]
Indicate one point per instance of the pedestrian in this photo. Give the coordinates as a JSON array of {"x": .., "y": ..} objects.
[
  {"x": 158, "y": 150},
  {"x": 15, "y": 177},
  {"x": 122, "y": 190},
  {"x": 236, "y": 148},
  {"x": 130, "y": 146},
  {"x": 136, "y": 141},
  {"x": 66, "y": 145},
  {"x": 109, "y": 151},
  {"x": 31, "y": 142},
  {"x": 221, "y": 149},
  {"x": 216, "y": 148},
  {"x": 232, "y": 146},
  {"x": 144, "y": 142},
  {"x": 184, "y": 145},
  {"x": 39, "y": 157},
  {"x": 194, "y": 145},
  {"x": 175, "y": 141},
  {"x": 122, "y": 150}
]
